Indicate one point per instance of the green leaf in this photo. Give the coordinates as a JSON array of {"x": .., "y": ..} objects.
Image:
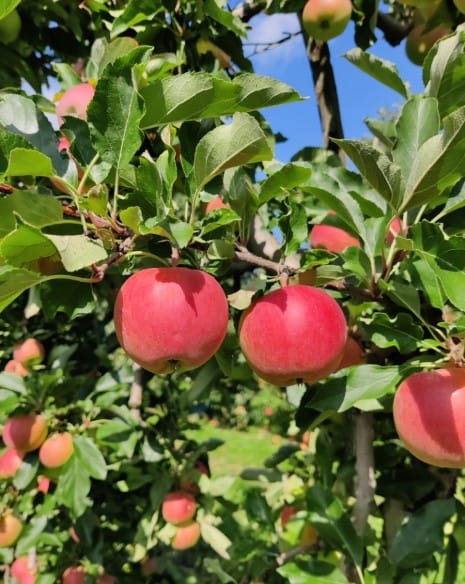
[
  {"x": 382, "y": 174},
  {"x": 116, "y": 110},
  {"x": 442, "y": 71},
  {"x": 333, "y": 523},
  {"x": 31, "y": 534},
  {"x": 194, "y": 96},
  {"x": 356, "y": 385},
  {"x": 284, "y": 179},
  {"x": 89, "y": 457},
  {"x": 34, "y": 209},
  {"x": 437, "y": 164},
  {"x": 13, "y": 282},
  {"x": 134, "y": 12},
  {"x": 383, "y": 71},
  {"x": 216, "y": 539},
  {"x": 213, "y": 8},
  {"x": 401, "y": 332},
  {"x": 74, "y": 485},
  {"x": 418, "y": 121},
  {"x": 24, "y": 245},
  {"x": 235, "y": 144},
  {"x": 7, "y": 6},
  {"x": 78, "y": 251},
  {"x": 24, "y": 162},
  {"x": 311, "y": 571},
  {"x": 282, "y": 454},
  {"x": 422, "y": 534}
]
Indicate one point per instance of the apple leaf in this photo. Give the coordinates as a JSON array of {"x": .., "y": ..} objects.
[
  {"x": 442, "y": 68},
  {"x": 311, "y": 571},
  {"x": 418, "y": 121},
  {"x": 24, "y": 245},
  {"x": 383, "y": 71},
  {"x": 74, "y": 486},
  {"x": 72, "y": 298},
  {"x": 401, "y": 331},
  {"x": 235, "y": 144},
  {"x": 78, "y": 251},
  {"x": 228, "y": 19},
  {"x": 333, "y": 523},
  {"x": 422, "y": 534},
  {"x": 31, "y": 534},
  {"x": 89, "y": 457},
  {"x": 13, "y": 282},
  {"x": 24, "y": 162},
  {"x": 283, "y": 179},
  {"x": 193, "y": 96},
  {"x": 216, "y": 539},
  {"x": 7, "y": 6},
  {"x": 116, "y": 110}
]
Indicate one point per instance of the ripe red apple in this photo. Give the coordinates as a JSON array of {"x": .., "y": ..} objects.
[
  {"x": 10, "y": 461},
  {"x": 56, "y": 450},
  {"x": 332, "y": 238},
  {"x": 178, "y": 507},
  {"x": 419, "y": 42},
  {"x": 74, "y": 575},
  {"x": 10, "y": 528},
  {"x": 171, "y": 319},
  {"x": 25, "y": 432},
  {"x": 10, "y": 27},
  {"x": 294, "y": 334},
  {"x": 308, "y": 536},
  {"x": 29, "y": 352},
  {"x": 148, "y": 566},
  {"x": 106, "y": 579},
  {"x": 186, "y": 536},
  {"x": 428, "y": 410},
  {"x": 74, "y": 102},
  {"x": 16, "y": 368},
  {"x": 396, "y": 227},
  {"x": 23, "y": 570},
  {"x": 325, "y": 19},
  {"x": 216, "y": 203},
  {"x": 352, "y": 355},
  {"x": 43, "y": 484}
]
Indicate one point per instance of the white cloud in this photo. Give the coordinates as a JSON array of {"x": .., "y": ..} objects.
[{"x": 270, "y": 29}]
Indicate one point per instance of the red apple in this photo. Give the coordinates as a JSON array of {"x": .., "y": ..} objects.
[
  {"x": 308, "y": 536},
  {"x": 216, "y": 203},
  {"x": 294, "y": 334},
  {"x": 428, "y": 410},
  {"x": 23, "y": 570},
  {"x": 106, "y": 579},
  {"x": 43, "y": 484},
  {"x": 74, "y": 102},
  {"x": 10, "y": 461},
  {"x": 332, "y": 238},
  {"x": 178, "y": 507},
  {"x": 396, "y": 227},
  {"x": 352, "y": 355},
  {"x": 326, "y": 19},
  {"x": 25, "y": 432},
  {"x": 10, "y": 528},
  {"x": 148, "y": 566},
  {"x": 29, "y": 352},
  {"x": 56, "y": 450},
  {"x": 16, "y": 368},
  {"x": 186, "y": 536},
  {"x": 171, "y": 319},
  {"x": 74, "y": 575}
]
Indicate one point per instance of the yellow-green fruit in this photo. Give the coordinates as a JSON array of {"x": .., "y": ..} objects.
[
  {"x": 10, "y": 27},
  {"x": 419, "y": 42},
  {"x": 460, "y": 5},
  {"x": 326, "y": 19}
]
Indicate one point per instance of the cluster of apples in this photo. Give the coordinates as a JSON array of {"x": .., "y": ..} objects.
[{"x": 179, "y": 508}]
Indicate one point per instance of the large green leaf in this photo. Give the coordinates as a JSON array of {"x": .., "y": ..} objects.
[
  {"x": 78, "y": 251},
  {"x": 437, "y": 165},
  {"x": 193, "y": 96},
  {"x": 418, "y": 121},
  {"x": 283, "y": 179},
  {"x": 214, "y": 9},
  {"x": 7, "y": 6},
  {"x": 13, "y": 282},
  {"x": 401, "y": 332},
  {"x": 381, "y": 70},
  {"x": 116, "y": 110},
  {"x": 23, "y": 162},
  {"x": 89, "y": 457},
  {"x": 235, "y": 144},
  {"x": 422, "y": 534},
  {"x": 74, "y": 486},
  {"x": 25, "y": 244}
]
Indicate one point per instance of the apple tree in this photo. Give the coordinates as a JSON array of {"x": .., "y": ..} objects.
[{"x": 161, "y": 270}]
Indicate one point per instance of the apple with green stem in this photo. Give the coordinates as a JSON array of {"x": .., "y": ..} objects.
[
  {"x": 294, "y": 334},
  {"x": 428, "y": 411},
  {"x": 326, "y": 19},
  {"x": 171, "y": 319}
]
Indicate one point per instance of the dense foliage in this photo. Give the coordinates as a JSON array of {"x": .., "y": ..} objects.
[{"x": 177, "y": 119}]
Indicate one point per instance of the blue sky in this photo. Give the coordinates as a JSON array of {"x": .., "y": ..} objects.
[{"x": 360, "y": 96}]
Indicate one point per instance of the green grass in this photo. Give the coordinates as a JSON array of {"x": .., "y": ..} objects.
[{"x": 241, "y": 449}]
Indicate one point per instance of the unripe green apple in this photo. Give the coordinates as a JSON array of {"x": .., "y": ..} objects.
[
  {"x": 326, "y": 19},
  {"x": 294, "y": 334},
  {"x": 171, "y": 319},
  {"x": 429, "y": 410},
  {"x": 10, "y": 27}
]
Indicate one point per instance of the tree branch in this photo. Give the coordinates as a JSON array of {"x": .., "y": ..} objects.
[
  {"x": 365, "y": 482},
  {"x": 136, "y": 392},
  {"x": 247, "y": 10}
]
